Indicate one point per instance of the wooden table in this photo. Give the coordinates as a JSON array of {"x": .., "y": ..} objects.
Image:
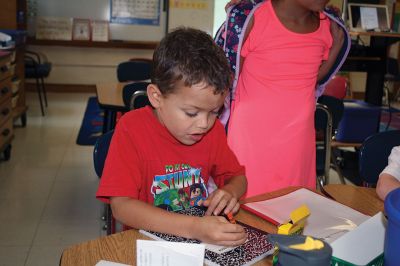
[
  {"x": 109, "y": 96},
  {"x": 121, "y": 247},
  {"x": 363, "y": 199}
]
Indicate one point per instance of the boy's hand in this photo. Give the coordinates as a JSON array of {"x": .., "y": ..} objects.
[
  {"x": 221, "y": 200},
  {"x": 217, "y": 230}
]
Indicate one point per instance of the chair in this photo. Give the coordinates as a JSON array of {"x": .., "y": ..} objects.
[
  {"x": 135, "y": 95},
  {"x": 99, "y": 157},
  {"x": 337, "y": 87},
  {"x": 323, "y": 127},
  {"x": 374, "y": 154},
  {"x": 392, "y": 75},
  {"x": 37, "y": 67},
  {"x": 327, "y": 117},
  {"x": 134, "y": 70}
]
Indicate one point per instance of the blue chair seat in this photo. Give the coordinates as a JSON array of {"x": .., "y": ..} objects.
[
  {"x": 42, "y": 70},
  {"x": 37, "y": 67}
]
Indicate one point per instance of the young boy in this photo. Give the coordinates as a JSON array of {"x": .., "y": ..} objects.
[{"x": 177, "y": 144}]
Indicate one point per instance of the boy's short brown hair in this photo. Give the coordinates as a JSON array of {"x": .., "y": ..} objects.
[{"x": 192, "y": 56}]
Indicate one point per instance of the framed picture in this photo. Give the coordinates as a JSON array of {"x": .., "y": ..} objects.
[
  {"x": 100, "y": 31},
  {"x": 81, "y": 30},
  {"x": 366, "y": 17}
]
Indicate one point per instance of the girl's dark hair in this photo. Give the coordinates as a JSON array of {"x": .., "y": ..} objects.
[{"x": 192, "y": 56}]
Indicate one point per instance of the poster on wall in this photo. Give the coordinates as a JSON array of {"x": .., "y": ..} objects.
[
  {"x": 142, "y": 12},
  {"x": 191, "y": 4},
  {"x": 54, "y": 28}
]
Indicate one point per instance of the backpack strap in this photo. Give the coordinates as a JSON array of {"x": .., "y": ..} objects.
[{"x": 230, "y": 38}]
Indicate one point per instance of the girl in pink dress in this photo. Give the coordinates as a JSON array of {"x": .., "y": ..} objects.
[{"x": 290, "y": 45}]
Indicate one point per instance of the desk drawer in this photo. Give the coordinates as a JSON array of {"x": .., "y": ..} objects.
[
  {"x": 5, "y": 89},
  {"x": 6, "y": 132},
  {"x": 5, "y": 71},
  {"x": 5, "y": 111}
]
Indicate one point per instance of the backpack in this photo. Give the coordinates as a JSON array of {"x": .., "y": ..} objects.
[{"x": 230, "y": 38}]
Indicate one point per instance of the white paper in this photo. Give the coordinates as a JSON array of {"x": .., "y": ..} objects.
[
  {"x": 163, "y": 253},
  {"x": 363, "y": 244},
  {"x": 328, "y": 219},
  {"x": 369, "y": 18},
  {"x": 110, "y": 263}
]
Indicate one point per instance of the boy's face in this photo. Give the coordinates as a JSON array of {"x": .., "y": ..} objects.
[{"x": 188, "y": 112}]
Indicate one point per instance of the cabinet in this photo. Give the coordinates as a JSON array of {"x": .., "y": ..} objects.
[
  {"x": 6, "y": 118},
  {"x": 13, "y": 22}
]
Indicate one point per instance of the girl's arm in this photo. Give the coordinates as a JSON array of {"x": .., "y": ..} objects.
[
  {"x": 338, "y": 39},
  {"x": 208, "y": 229}
]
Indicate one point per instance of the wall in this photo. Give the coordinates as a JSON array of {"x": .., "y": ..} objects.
[{"x": 88, "y": 66}]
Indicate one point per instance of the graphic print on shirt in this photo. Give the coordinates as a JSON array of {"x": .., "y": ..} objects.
[{"x": 181, "y": 187}]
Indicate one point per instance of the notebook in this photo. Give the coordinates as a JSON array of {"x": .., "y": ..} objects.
[
  {"x": 328, "y": 219},
  {"x": 254, "y": 249}
]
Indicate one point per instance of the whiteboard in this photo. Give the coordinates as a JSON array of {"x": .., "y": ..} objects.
[
  {"x": 100, "y": 10},
  {"x": 191, "y": 13}
]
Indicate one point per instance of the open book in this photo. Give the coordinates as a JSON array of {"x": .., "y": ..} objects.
[
  {"x": 328, "y": 219},
  {"x": 254, "y": 249}
]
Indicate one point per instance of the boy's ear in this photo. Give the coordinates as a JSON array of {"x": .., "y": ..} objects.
[{"x": 154, "y": 95}]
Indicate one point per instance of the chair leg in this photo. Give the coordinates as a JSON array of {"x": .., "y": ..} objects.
[
  {"x": 44, "y": 91},
  {"x": 40, "y": 95}
]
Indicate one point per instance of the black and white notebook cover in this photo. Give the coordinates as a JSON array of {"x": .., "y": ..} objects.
[{"x": 254, "y": 249}]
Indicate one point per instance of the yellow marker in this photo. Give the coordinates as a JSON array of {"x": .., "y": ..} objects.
[
  {"x": 309, "y": 244},
  {"x": 295, "y": 226}
]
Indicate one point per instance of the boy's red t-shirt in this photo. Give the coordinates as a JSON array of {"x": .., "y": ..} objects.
[{"x": 146, "y": 162}]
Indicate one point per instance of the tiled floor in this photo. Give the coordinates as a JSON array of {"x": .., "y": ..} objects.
[{"x": 47, "y": 189}]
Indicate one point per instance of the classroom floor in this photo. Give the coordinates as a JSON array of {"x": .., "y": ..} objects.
[{"x": 47, "y": 189}]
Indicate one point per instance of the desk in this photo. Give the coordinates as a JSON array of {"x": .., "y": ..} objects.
[
  {"x": 121, "y": 247},
  {"x": 373, "y": 62},
  {"x": 363, "y": 199},
  {"x": 109, "y": 96}
]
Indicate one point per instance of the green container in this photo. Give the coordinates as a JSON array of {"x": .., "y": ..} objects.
[{"x": 378, "y": 261}]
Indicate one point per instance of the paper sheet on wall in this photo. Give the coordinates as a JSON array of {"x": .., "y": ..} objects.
[
  {"x": 146, "y": 12},
  {"x": 369, "y": 18}
]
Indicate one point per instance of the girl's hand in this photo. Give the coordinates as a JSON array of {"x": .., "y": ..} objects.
[
  {"x": 221, "y": 200},
  {"x": 217, "y": 230},
  {"x": 231, "y": 3}
]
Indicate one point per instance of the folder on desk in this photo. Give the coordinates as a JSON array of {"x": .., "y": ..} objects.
[{"x": 328, "y": 219}]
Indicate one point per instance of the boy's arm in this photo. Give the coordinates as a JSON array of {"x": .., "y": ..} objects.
[
  {"x": 208, "y": 229},
  {"x": 338, "y": 39},
  {"x": 226, "y": 199}
]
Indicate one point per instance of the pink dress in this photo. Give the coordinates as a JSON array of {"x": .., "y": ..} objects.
[{"x": 271, "y": 128}]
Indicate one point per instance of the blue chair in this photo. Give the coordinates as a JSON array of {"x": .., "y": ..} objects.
[
  {"x": 327, "y": 117},
  {"x": 134, "y": 95},
  {"x": 374, "y": 153},
  {"x": 37, "y": 67},
  {"x": 99, "y": 157},
  {"x": 134, "y": 70}
]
